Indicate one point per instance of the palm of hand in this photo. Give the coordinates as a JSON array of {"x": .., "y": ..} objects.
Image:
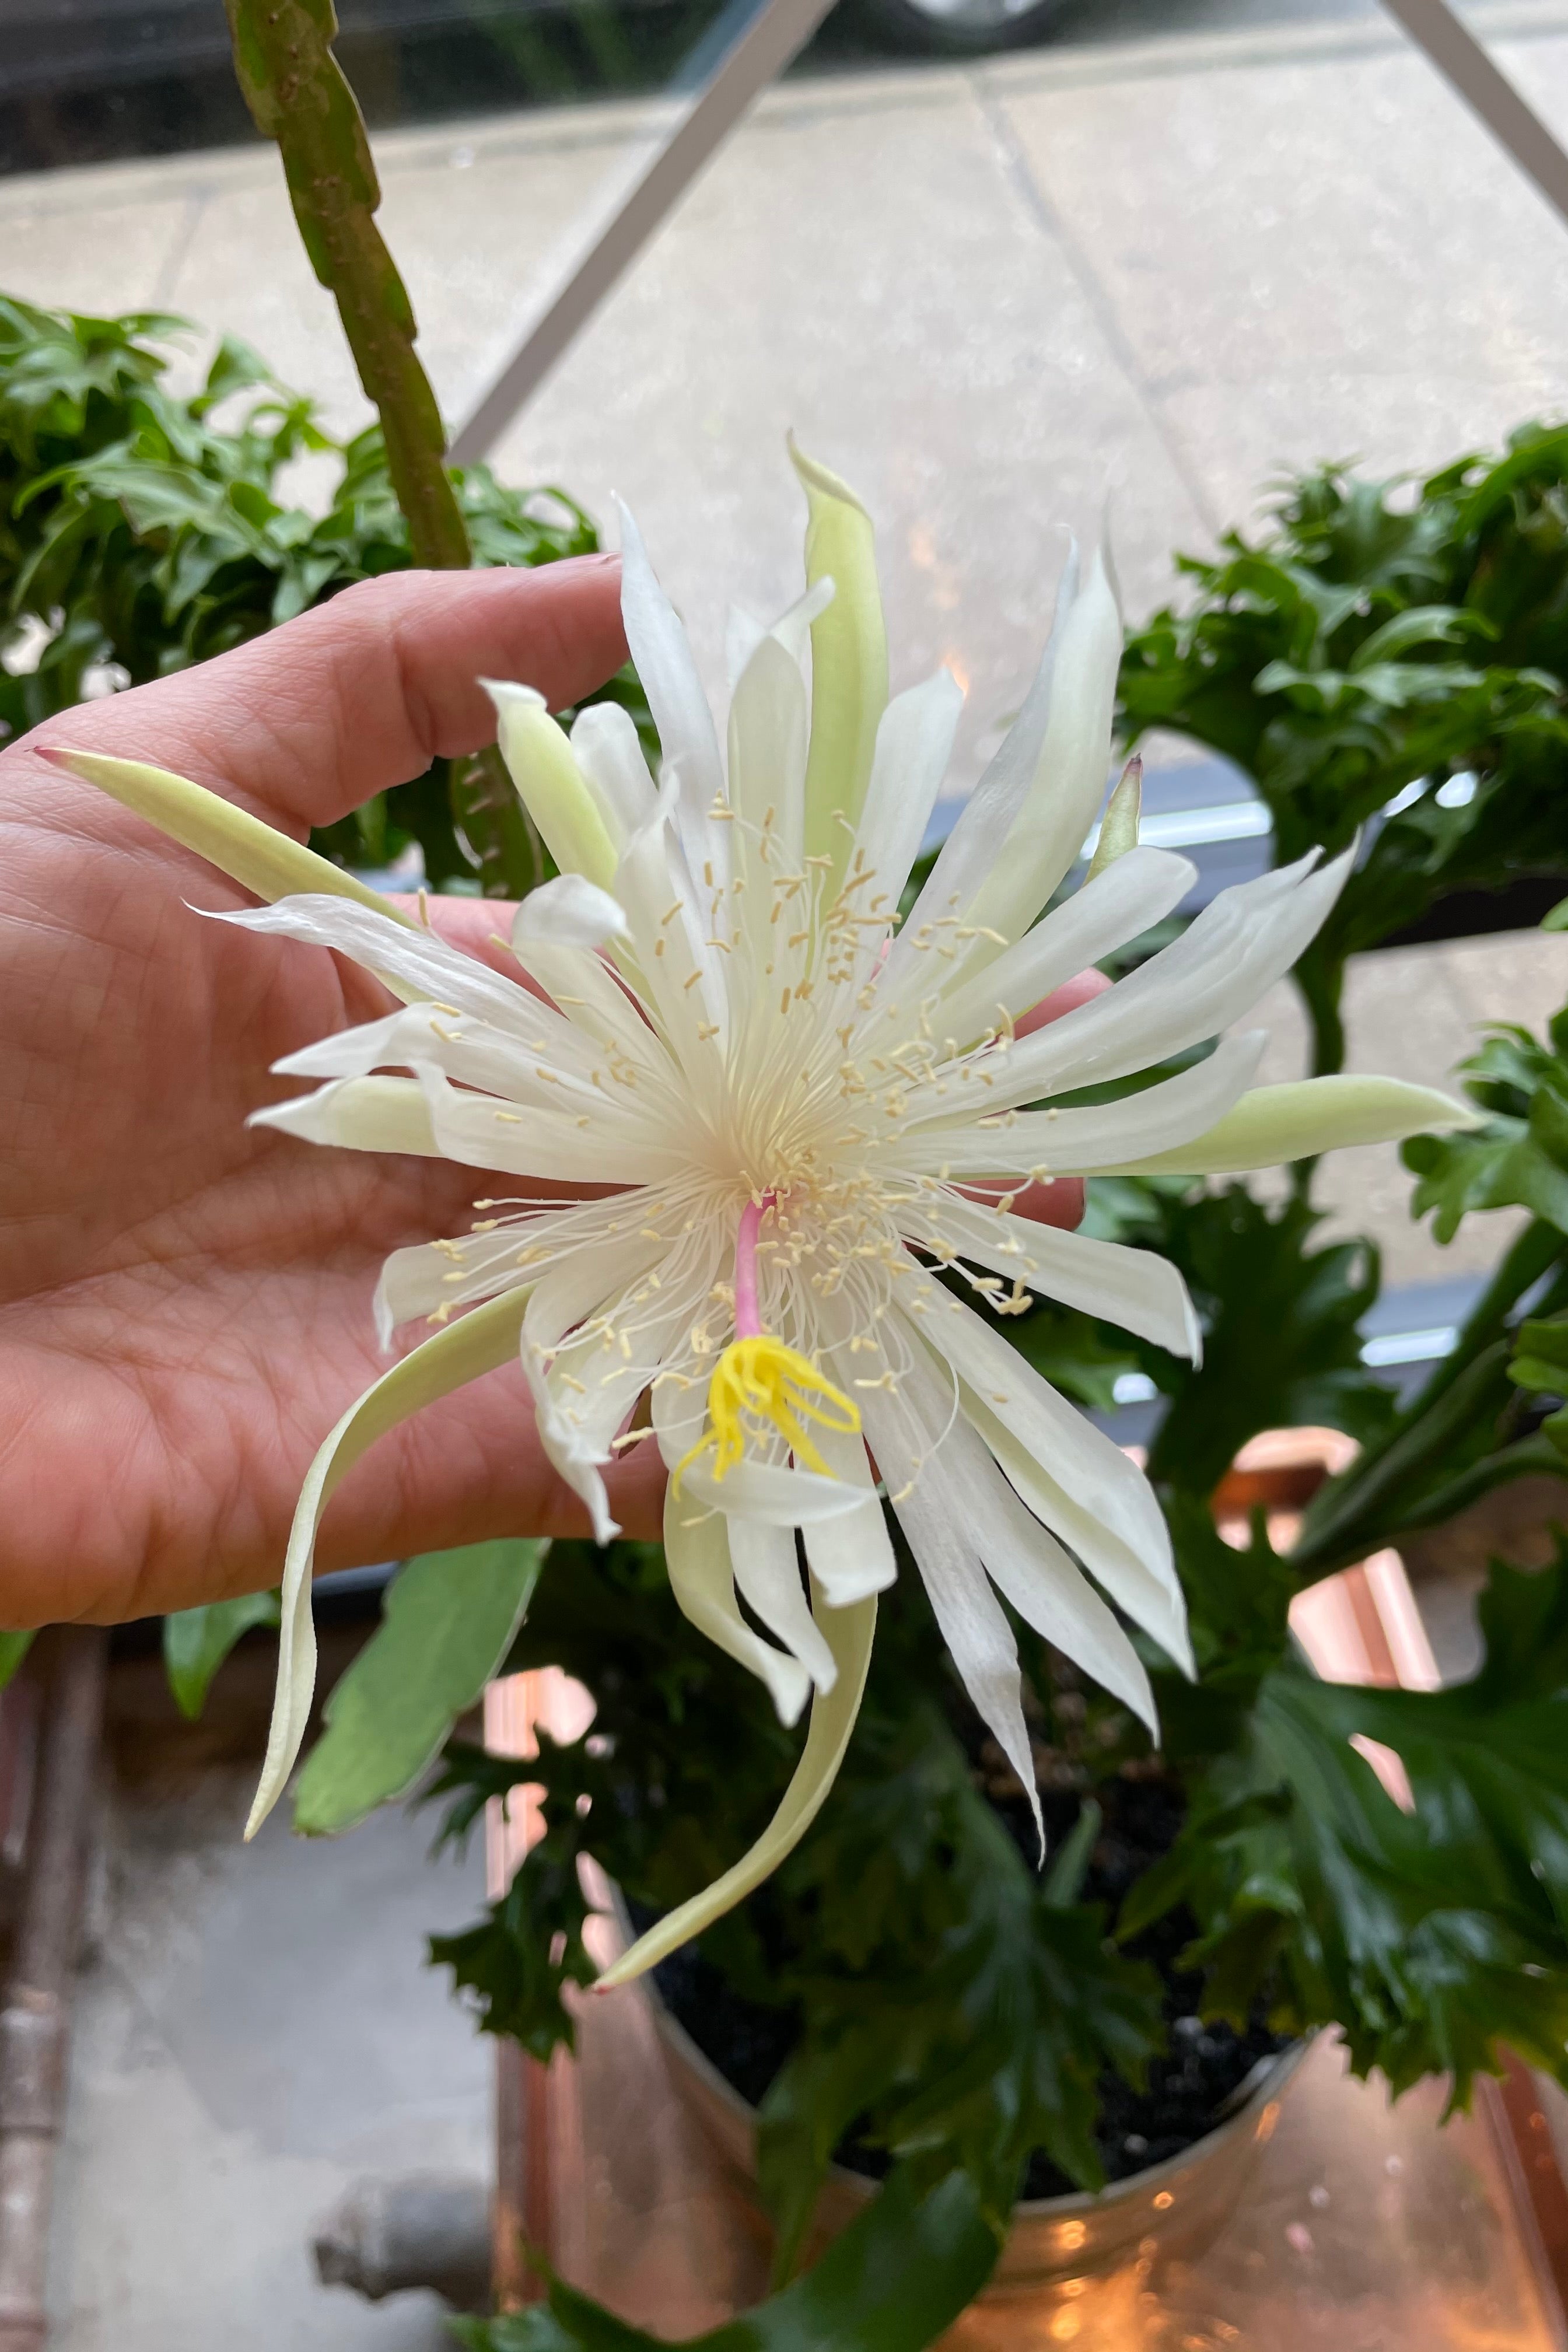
[{"x": 186, "y": 1303}]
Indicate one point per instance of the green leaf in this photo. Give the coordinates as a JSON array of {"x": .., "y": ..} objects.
[
  {"x": 1282, "y": 1346},
  {"x": 950, "y": 1998},
  {"x": 134, "y": 531},
  {"x": 447, "y": 1621},
  {"x": 900, "y": 2273},
  {"x": 1063, "y": 1882},
  {"x": 14, "y": 1648},
  {"x": 1519, "y": 1159},
  {"x": 1540, "y": 1362},
  {"x": 1430, "y": 1938},
  {"x": 1365, "y": 644},
  {"x": 518, "y": 1960},
  {"x": 197, "y": 1640}
]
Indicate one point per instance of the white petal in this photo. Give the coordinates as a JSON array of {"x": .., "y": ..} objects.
[
  {"x": 569, "y": 912},
  {"x": 852, "y": 1555},
  {"x": 767, "y": 1574},
  {"x": 1133, "y": 1287},
  {"x": 914, "y": 744},
  {"x": 1065, "y": 1142},
  {"x": 983, "y": 821},
  {"x": 1068, "y": 785},
  {"x": 969, "y": 1617},
  {"x": 397, "y": 952},
  {"x": 1151, "y": 1600},
  {"x": 606, "y": 747},
  {"x": 793, "y": 628},
  {"x": 1125, "y": 899},
  {"x": 1273, "y": 1124},
  {"x": 467, "y": 1049},
  {"x": 770, "y": 1493},
  {"x": 429, "y": 1276},
  {"x": 743, "y": 633},
  {"x": 696, "y": 1554},
  {"x": 1074, "y": 1453},
  {"x": 480, "y": 1133},
  {"x": 1035, "y": 1573},
  {"x": 770, "y": 722},
  {"x": 1240, "y": 944},
  {"x": 675, "y": 697},
  {"x": 586, "y": 1285},
  {"x": 598, "y": 1007},
  {"x": 1016, "y": 1551}
]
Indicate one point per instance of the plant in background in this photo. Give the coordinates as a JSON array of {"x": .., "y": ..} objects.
[
  {"x": 139, "y": 532},
  {"x": 1387, "y": 661}
]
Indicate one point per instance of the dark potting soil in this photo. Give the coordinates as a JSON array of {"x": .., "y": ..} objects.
[{"x": 1190, "y": 2088}]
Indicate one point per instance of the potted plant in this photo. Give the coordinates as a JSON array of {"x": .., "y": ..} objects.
[{"x": 907, "y": 1992}]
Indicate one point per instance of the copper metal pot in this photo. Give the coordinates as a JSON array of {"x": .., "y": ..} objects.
[{"x": 1056, "y": 2244}]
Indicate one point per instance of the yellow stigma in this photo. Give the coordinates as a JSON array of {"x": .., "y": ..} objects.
[{"x": 762, "y": 1379}]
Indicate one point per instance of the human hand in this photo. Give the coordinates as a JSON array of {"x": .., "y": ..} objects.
[{"x": 184, "y": 1302}]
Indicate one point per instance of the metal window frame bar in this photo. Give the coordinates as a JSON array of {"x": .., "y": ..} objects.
[
  {"x": 1450, "y": 45},
  {"x": 773, "y": 35},
  {"x": 772, "y": 38}
]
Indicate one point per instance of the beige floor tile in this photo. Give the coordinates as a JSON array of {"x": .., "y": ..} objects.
[
  {"x": 59, "y": 254},
  {"x": 879, "y": 283},
  {"x": 1519, "y": 976},
  {"x": 1414, "y": 1013},
  {"x": 1239, "y": 440},
  {"x": 1281, "y": 219}
]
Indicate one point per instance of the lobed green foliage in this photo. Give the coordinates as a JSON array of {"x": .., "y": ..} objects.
[
  {"x": 139, "y": 531},
  {"x": 1390, "y": 659}
]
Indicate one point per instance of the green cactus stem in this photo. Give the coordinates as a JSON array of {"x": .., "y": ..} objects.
[{"x": 298, "y": 96}]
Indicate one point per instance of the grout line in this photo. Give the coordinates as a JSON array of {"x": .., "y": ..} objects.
[
  {"x": 180, "y": 244},
  {"x": 1051, "y": 224}
]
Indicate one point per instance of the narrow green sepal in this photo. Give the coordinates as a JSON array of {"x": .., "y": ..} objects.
[
  {"x": 1273, "y": 1125},
  {"x": 848, "y": 659},
  {"x": 1119, "y": 827}
]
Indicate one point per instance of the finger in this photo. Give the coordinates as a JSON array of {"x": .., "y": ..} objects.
[
  {"x": 481, "y": 928},
  {"x": 1081, "y": 989},
  {"x": 1060, "y": 1202},
  {"x": 310, "y": 720}
]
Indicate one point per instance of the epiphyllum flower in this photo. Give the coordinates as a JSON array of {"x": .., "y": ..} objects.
[{"x": 806, "y": 1110}]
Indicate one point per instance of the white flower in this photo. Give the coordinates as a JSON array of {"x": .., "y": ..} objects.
[{"x": 806, "y": 1109}]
